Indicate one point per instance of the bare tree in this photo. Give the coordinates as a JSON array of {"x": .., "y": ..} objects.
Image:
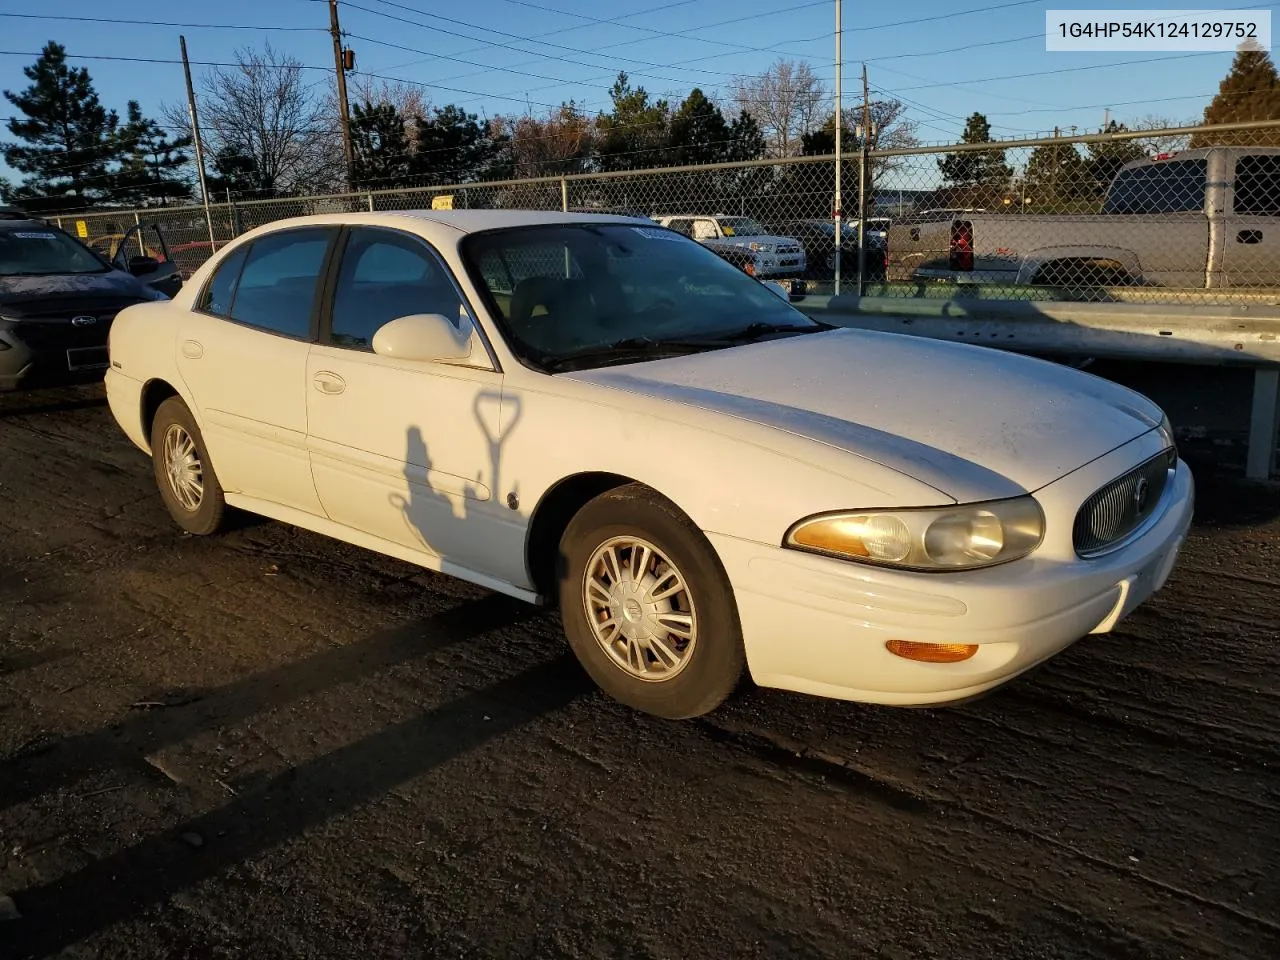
[
  {"x": 1162, "y": 143},
  {"x": 408, "y": 99},
  {"x": 787, "y": 101},
  {"x": 558, "y": 143},
  {"x": 264, "y": 111}
]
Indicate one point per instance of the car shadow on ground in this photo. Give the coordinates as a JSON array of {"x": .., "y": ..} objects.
[
  {"x": 30, "y": 403},
  {"x": 125, "y": 884}
]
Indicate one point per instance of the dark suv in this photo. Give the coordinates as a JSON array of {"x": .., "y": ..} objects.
[
  {"x": 57, "y": 301},
  {"x": 820, "y": 251}
]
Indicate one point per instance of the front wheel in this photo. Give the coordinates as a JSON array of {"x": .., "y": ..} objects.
[
  {"x": 646, "y": 606},
  {"x": 185, "y": 475}
]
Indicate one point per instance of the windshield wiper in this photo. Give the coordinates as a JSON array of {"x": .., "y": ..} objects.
[
  {"x": 627, "y": 348},
  {"x": 761, "y": 328}
]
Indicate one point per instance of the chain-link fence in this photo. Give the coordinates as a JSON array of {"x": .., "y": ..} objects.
[{"x": 1187, "y": 214}]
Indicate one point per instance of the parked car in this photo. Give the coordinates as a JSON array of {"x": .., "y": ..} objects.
[
  {"x": 143, "y": 245},
  {"x": 601, "y": 414},
  {"x": 189, "y": 256},
  {"x": 817, "y": 237},
  {"x": 57, "y": 301},
  {"x": 1208, "y": 217},
  {"x": 778, "y": 257}
]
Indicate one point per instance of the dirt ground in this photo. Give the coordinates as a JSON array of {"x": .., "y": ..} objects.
[{"x": 268, "y": 744}]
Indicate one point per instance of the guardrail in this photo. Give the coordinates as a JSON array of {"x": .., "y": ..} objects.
[{"x": 1239, "y": 335}]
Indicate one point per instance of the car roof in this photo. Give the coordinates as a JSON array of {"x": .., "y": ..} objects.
[
  {"x": 460, "y": 221},
  {"x": 28, "y": 224},
  {"x": 471, "y": 221}
]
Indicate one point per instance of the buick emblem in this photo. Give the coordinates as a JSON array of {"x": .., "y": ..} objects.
[
  {"x": 1140, "y": 491},
  {"x": 83, "y": 321}
]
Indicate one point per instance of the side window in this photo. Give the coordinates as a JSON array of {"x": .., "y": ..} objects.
[
  {"x": 1258, "y": 185},
  {"x": 217, "y": 296},
  {"x": 385, "y": 276},
  {"x": 705, "y": 230},
  {"x": 682, "y": 226},
  {"x": 277, "y": 288}
]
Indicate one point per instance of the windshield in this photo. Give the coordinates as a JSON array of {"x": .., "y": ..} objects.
[
  {"x": 40, "y": 252},
  {"x": 565, "y": 289},
  {"x": 741, "y": 227}
]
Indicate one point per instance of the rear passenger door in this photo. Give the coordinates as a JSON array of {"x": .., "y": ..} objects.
[
  {"x": 242, "y": 353},
  {"x": 402, "y": 450},
  {"x": 1253, "y": 227}
]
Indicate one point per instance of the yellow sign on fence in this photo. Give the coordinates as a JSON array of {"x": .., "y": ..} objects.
[
  {"x": 82, "y": 230},
  {"x": 442, "y": 201}
]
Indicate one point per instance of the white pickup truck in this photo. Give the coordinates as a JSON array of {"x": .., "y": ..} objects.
[{"x": 1202, "y": 218}]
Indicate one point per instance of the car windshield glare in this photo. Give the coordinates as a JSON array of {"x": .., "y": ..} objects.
[
  {"x": 40, "y": 251},
  {"x": 562, "y": 289},
  {"x": 741, "y": 227}
]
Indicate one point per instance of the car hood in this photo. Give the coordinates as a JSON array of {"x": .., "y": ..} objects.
[
  {"x": 25, "y": 295},
  {"x": 972, "y": 422}
]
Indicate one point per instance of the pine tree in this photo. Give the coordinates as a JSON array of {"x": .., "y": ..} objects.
[
  {"x": 698, "y": 132},
  {"x": 1250, "y": 91},
  {"x": 1055, "y": 174},
  {"x": 234, "y": 172},
  {"x": 68, "y": 138},
  {"x": 634, "y": 134},
  {"x": 149, "y": 168},
  {"x": 453, "y": 146},
  {"x": 380, "y": 144},
  {"x": 976, "y": 168},
  {"x": 1107, "y": 157},
  {"x": 747, "y": 141}
]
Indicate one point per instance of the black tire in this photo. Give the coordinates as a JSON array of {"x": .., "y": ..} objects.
[
  {"x": 208, "y": 515},
  {"x": 715, "y": 664}
]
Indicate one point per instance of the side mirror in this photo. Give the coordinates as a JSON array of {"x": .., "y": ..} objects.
[
  {"x": 425, "y": 337},
  {"x": 141, "y": 266}
]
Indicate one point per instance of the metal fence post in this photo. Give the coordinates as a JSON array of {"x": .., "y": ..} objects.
[
  {"x": 1264, "y": 424},
  {"x": 564, "y": 195},
  {"x": 371, "y": 201}
]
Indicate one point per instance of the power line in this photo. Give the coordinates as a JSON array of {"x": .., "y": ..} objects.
[{"x": 159, "y": 23}]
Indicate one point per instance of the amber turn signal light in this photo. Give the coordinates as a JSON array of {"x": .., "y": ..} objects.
[{"x": 932, "y": 652}]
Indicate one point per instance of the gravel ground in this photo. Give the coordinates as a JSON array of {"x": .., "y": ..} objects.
[{"x": 269, "y": 744}]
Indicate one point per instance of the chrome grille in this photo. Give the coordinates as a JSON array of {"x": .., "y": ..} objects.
[{"x": 1122, "y": 506}]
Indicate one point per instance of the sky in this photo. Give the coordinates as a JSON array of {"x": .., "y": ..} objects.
[{"x": 943, "y": 59}]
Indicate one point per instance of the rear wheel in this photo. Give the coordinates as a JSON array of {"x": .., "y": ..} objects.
[
  {"x": 647, "y": 607},
  {"x": 186, "y": 478}
]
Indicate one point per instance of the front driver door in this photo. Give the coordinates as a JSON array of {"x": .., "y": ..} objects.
[
  {"x": 242, "y": 353},
  {"x": 402, "y": 450},
  {"x": 145, "y": 242}
]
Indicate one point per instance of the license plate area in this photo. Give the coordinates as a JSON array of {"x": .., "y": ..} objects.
[{"x": 87, "y": 358}]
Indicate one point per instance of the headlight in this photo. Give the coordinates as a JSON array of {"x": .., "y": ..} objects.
[
  {"x": 762, "y": 247},
  {"x": 936, "y": 538},
  {"x": 1166, "y": 433}
]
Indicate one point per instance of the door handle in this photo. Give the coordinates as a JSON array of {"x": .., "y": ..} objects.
[
  {"x": 192, "y": 349},
  {"x": 1249, "y": 236},
  {"x": 329, "y": 383}
]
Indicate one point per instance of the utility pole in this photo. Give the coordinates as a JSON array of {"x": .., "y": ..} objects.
[
  {"x": 343, "y": 109},
  {"x": 862, "y": 184},
  {"x": 1106, "y": 120},
  {"x": 838, "y": 212},
  {"x": 195, "y": 138}
]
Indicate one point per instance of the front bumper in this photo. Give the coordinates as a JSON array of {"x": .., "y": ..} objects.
[
  {"x": 819, "y": 626},
  {"x": 773, "y": 267},
  {"x": 40, "y": 355}
]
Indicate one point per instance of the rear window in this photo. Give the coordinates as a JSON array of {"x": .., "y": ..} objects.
[
  {"x": 1258, "y": 185},
  {"x": 1170, "y": 186}
]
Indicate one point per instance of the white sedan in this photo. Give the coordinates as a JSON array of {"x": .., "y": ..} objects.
[{"x": 597, "y": 412}]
